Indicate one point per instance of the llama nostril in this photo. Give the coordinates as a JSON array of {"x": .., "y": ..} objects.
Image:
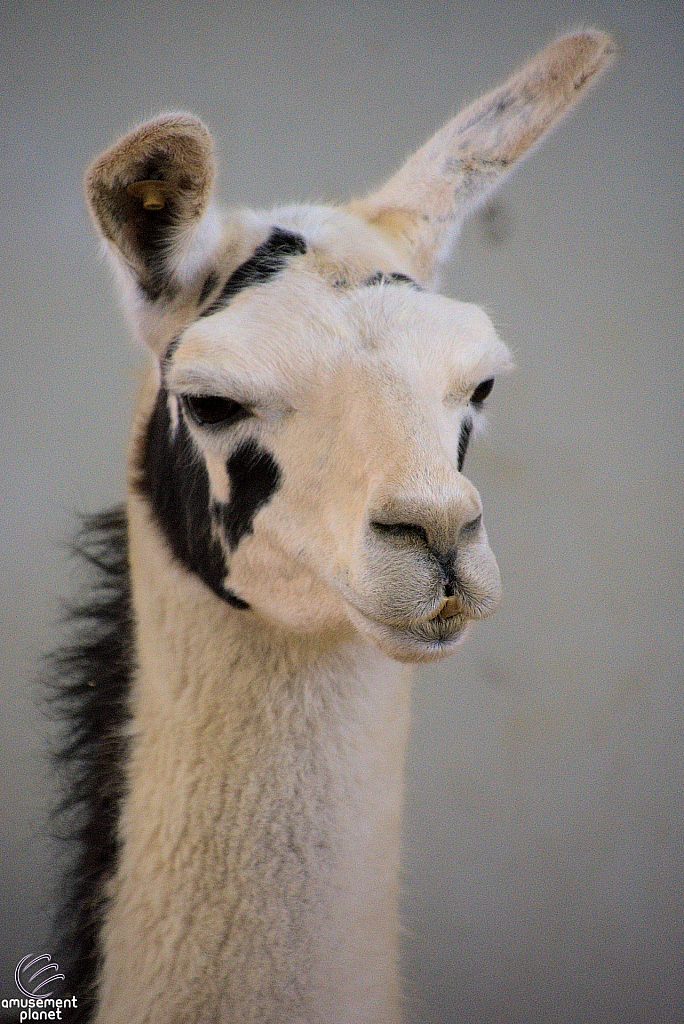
[{"x": 401, "y": 531}]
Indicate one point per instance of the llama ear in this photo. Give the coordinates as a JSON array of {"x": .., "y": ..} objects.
[
  {"x": 148, "y": 194},
  {"x": 423, "y": 205}
]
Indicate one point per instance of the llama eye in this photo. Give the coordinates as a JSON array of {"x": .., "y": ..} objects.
[
  {"x": 481, "y": 392},
  {"x": 213, "y": 410}
]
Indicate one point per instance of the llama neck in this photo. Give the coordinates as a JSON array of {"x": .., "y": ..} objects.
[{"x": 258, "y": 875}]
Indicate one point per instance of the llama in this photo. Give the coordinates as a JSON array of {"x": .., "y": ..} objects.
[{"x": 297, "y": 534}]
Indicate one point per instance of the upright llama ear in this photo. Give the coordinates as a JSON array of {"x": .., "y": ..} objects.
[
  {"x": 148, "y": 194},
  {"x": 422, "y": 206}
]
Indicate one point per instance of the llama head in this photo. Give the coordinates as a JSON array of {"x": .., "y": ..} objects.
[{"x": 302, "y": 453}]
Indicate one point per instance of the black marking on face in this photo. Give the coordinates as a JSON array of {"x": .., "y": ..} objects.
[
  {"x": 382, "y": 278},
  {"x": 254, "y": 479},
  {"x": 265, "y": 262},
  {"x": 173, "y": 345},
  {"x": 211, "y": 280},
  {"x": 464, "y": 438},
  {"x": 233, "y": 599},
  {"x": 174, "y": 479}
]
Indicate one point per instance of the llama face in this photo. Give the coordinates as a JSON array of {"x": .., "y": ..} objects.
[
  {"x": 326, "y": 423},
  {"x": 314, "y": 401}
]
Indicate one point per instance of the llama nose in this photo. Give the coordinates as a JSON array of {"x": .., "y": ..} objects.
[{"x": 439, "y": 526}]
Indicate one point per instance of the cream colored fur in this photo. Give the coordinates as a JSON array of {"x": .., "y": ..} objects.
[{"x": 259, "y": 867}]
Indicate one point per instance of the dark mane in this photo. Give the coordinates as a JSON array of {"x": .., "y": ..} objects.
[{"x": 88, "y": 693}]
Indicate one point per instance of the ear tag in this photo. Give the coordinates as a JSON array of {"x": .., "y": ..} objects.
[{"x": 152, "y": 193}]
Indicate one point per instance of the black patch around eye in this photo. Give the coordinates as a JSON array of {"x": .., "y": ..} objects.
[
  {"x": 464, "y": 438},
  {"x": 173, "y": 478},
  {"x": 214, "y": 410},
  {"x": 481, "y": 392},
  {"x": 266, "y": 261},
  {"x": 254, "y": 478}
]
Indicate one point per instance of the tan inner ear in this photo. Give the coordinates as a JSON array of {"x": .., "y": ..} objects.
[{"x": 164, "y": 167}]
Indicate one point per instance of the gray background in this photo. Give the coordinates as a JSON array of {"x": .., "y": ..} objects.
[{"x": 543, "y": 864}]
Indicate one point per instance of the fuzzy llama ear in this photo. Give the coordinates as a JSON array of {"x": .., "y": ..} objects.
[
  {"x": 422, "y": 206},
  {"x": 148, "y": 194}
]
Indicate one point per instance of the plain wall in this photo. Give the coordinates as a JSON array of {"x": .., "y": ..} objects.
[{"x": 544, "y": 853}]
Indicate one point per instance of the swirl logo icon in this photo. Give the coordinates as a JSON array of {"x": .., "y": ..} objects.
[{"x": 33, "y": 973}]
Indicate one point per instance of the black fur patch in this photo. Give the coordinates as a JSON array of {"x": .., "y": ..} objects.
[
  {"x": 211, "y": 280},
  {"x": 254, "y": 478},
  {"x": 463, "y": 440},
  {"x": 265, "y": 262},
  {"x": 88, "y": 693},
  {"x": 380, "y": 278},
  {"x": 173, "y": 345},
  {"x": 174, "y": 479}
]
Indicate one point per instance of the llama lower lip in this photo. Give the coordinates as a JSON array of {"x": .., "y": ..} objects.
[
  {"x": 430, "y": 640},
  {"x": 430, "y": 636},
  {"x": 439, "y": 630}
]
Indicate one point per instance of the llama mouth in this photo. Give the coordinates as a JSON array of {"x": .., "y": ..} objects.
[
  {"x": 439, "y": 630},
  {"x": 431, "y": 638},
  {"x": 428, "y": 640}
]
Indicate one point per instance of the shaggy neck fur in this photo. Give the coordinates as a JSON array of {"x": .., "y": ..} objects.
[{"x": 260, "y": 831}]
